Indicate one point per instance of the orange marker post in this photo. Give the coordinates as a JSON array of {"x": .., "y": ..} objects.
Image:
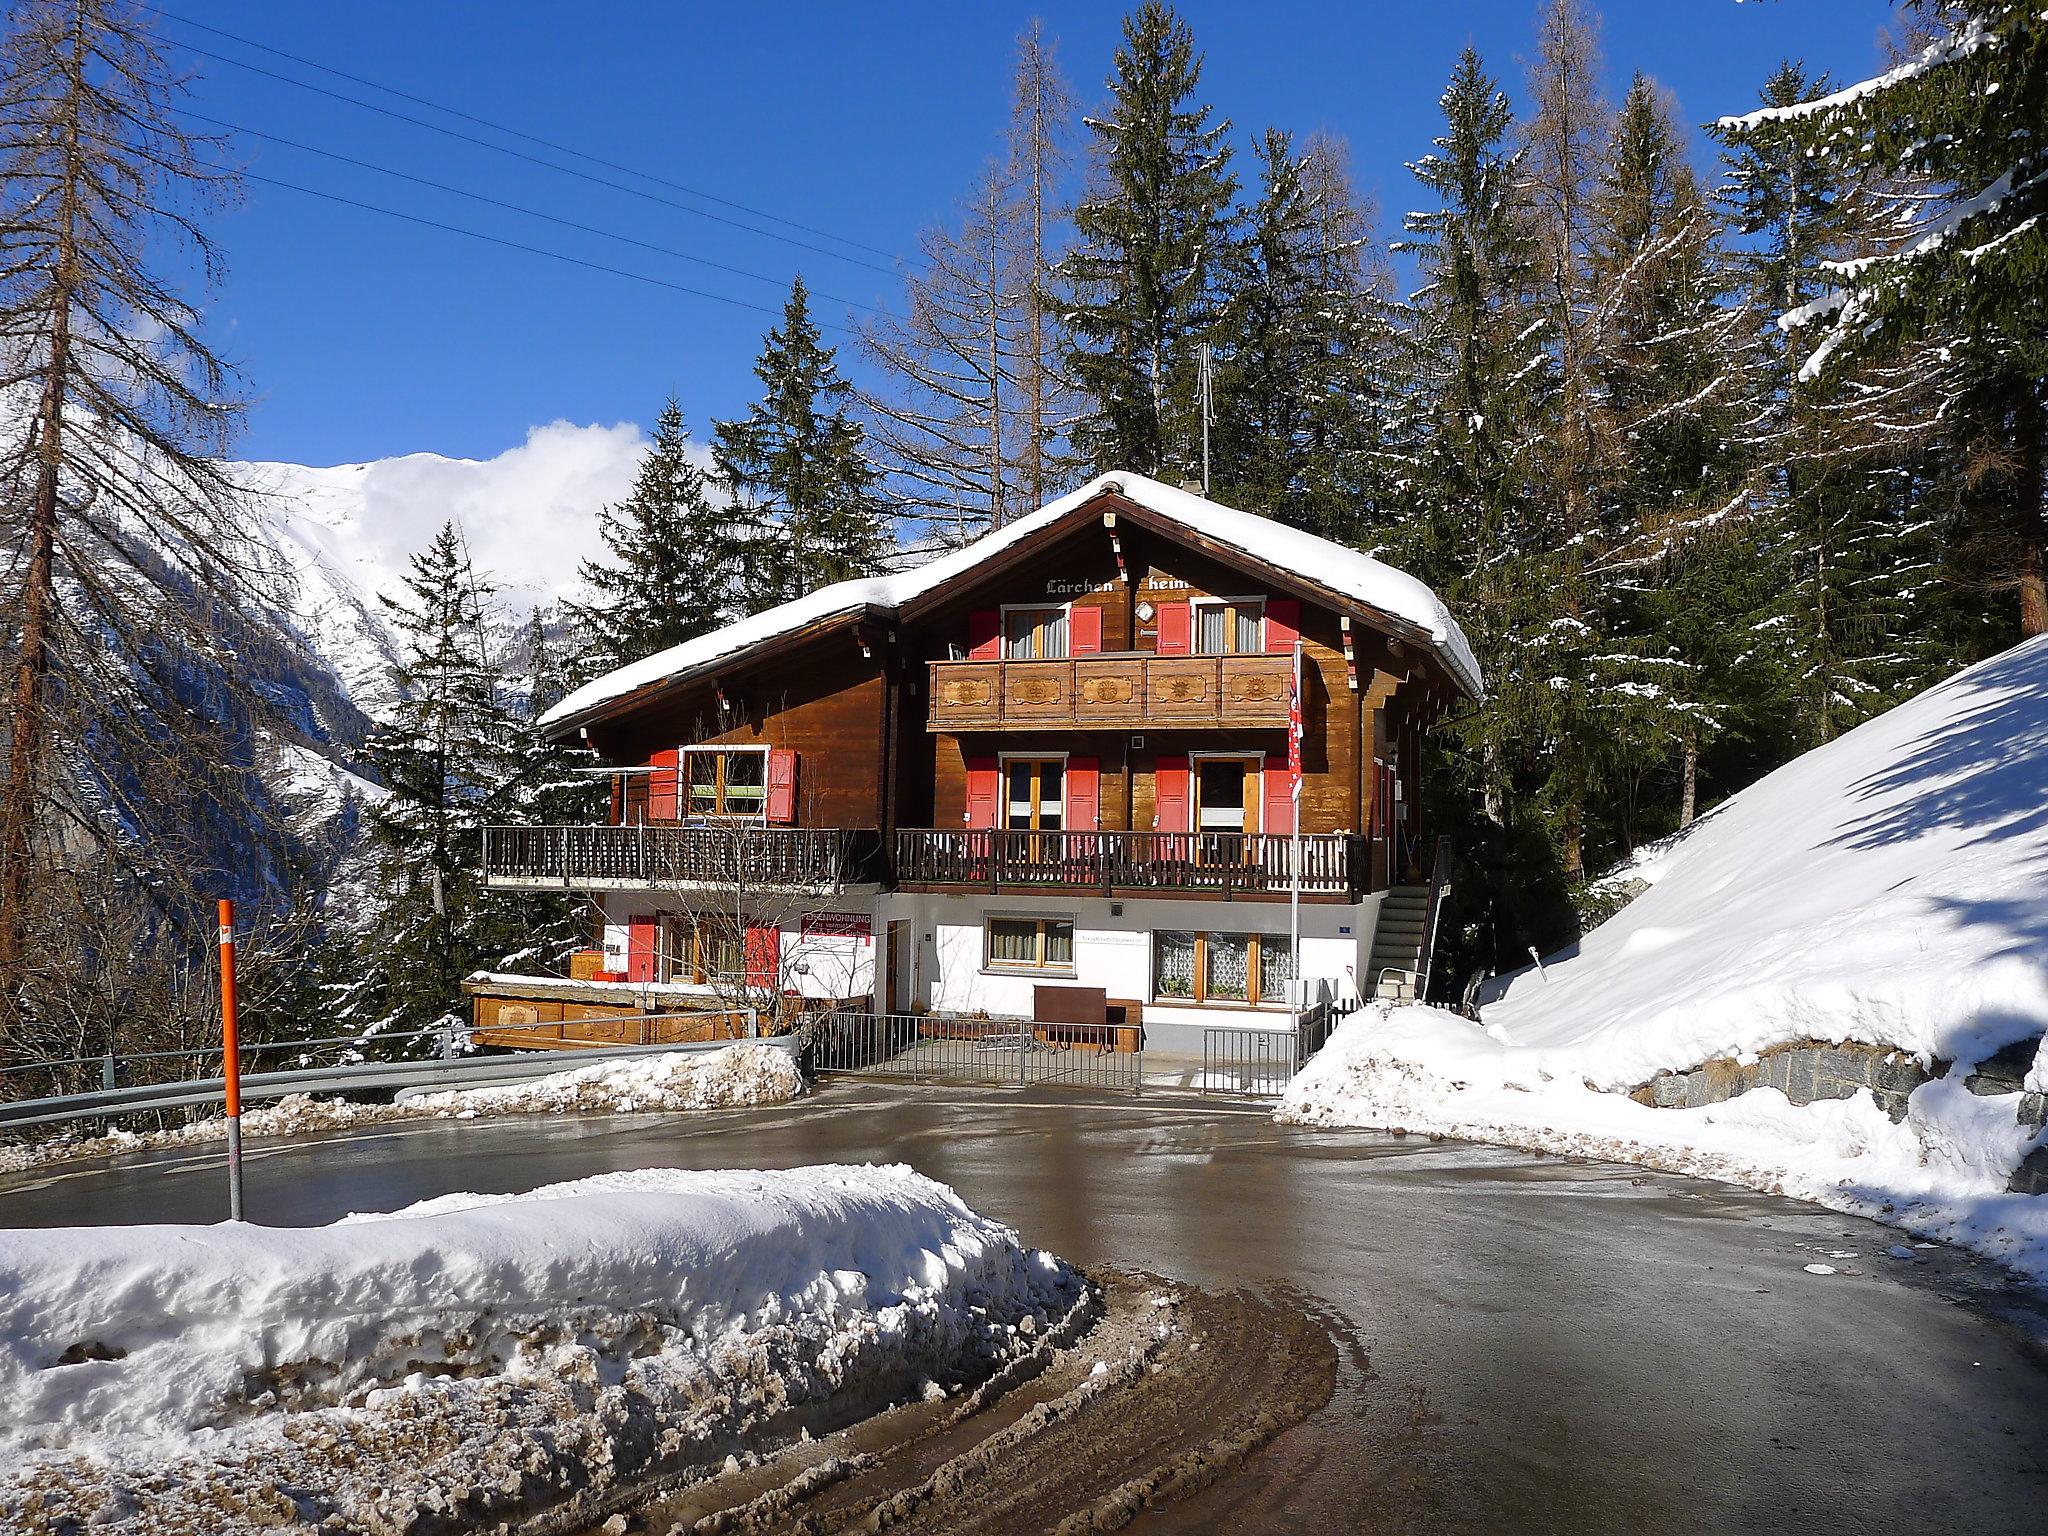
[{"x": 231, "y": 1058}]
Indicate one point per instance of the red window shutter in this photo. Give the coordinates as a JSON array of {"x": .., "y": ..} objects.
[
  {"x": 1083, "y": 794},
  {"x": 1170, "y": 776},
  {"x": 1084, "y": 629},
  {"x": 781, "y": 786},
  {"x": 641, "y": 950},
  {"x": 618, "y": 798},
  {"x": 764, "y": 955},
  {"x": 1279, "y": 807},
  {"x": 663, "y": 785},
  {"x": 1283, "y": 625},
  {"x": 985, "y": 634},
  {"x": 984, "y": 776},
  {"x": 1176, "y": 630}
]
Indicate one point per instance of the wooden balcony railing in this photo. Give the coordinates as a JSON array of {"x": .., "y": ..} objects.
[
  {"x": 1220, "y": 863},
  {"x": 799, "y": 857},
  {"x": 1123, "y": 690}
]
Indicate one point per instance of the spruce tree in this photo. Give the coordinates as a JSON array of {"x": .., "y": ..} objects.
[
  {"x": 1298, "y": 341},
  {"x": 1954, "y": 135},
  {"x": 1843, "y": 521},
  {"x": 1669, "y": 377},
  {"x": 1150, "y": 236},
  {"x": 670, "y": 572},
  {"x": 803, "y": 489},
  {"x": 450, "y": 755}
]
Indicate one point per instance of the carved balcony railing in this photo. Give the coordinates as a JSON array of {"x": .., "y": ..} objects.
[
  {"x": 622, "y": 857},
  {"x": 1170, "y": 863},
  {"x": 1123, "y": 690}
]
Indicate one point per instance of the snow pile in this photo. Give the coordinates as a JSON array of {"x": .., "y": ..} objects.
[
  {"x": 1344, "y": 572},
  {"x": 482, "y": 1355},
  {"x": 1890, "y": 889},
  {"x": 728, "y": 1079},
  {"x": 737, "y": 1077}
]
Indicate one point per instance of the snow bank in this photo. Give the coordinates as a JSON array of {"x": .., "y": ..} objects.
[
  {"x": 728, "y": 1079},
  {"x": 1940, "y": 1173},
  {"x": 737, "y": 1077},
  {"x": 1335, "y": 568},
  {"x": 517, "y": 1344},
  {"x": 1890, "y": 887}
]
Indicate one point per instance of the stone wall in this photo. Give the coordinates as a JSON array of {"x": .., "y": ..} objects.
[{"x": 1809, "y": 1070}]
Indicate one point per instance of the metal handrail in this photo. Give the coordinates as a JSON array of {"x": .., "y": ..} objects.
[
  {"x": 1226, "y": 862},
  {"x": 1439, "y": 887}
]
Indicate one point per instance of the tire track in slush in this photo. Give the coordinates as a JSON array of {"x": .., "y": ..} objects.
[{"x": 1168, "y": 1392}]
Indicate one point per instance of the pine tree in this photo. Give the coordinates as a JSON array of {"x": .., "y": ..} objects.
[
  {"x": 1954, "y": 133},
  {"x": 449, "y": 755},
  {"x": 1143, "y": 276},
  {"x": 804, "y": 491},
  {"x": 670, "y": 575}
]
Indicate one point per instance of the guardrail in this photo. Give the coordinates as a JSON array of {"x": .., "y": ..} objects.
[{"x": 458, "y": 1072}]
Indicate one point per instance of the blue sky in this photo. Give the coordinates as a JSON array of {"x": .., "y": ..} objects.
[{"x": 364, "y": 337}]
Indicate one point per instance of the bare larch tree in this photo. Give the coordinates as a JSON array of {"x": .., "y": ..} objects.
[{"x": 124, "y": 582}]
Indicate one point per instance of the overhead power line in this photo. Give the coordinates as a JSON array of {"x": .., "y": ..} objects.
[
  {"x": 531, "y": 250},
  {"x": 534, "y": 213},
  {"x": 522, "y": 155}
]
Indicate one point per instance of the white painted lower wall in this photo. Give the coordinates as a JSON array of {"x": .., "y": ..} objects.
[{"x": 943, "y": 951}]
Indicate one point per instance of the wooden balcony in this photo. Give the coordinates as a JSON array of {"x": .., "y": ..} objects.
[
  {"x": 1122, "y": 690},
  {"x": 1222, "y": 864},
  {"x": 676, "y": 857}
]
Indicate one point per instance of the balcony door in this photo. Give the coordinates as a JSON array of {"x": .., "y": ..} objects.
[
  {"x": 1226, "y": 807},
  {"x": 1035, "y": 801}
]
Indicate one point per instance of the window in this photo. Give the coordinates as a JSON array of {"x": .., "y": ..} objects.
[
  {"x": 1237, "y": 968},
  {"x": 726, "y": 781},
  {"x": 704, "y": 949},
  {"x": 1234, "y": 626},
  {"x": 1030, "y": 944},
  {"x": 1034, "y": 634}
]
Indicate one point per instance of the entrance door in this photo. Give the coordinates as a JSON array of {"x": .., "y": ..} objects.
[{"x": 899, "y": 966}]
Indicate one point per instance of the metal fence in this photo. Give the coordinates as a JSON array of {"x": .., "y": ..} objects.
[
  {"x": 1260, "y": 1063},
  {"x": 942, "y": 1048}
]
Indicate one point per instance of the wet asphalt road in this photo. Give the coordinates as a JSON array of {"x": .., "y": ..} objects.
[{"x": 1528, "y": 1344}]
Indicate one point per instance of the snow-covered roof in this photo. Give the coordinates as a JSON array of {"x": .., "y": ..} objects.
[{"x": 1342, "y": 572}]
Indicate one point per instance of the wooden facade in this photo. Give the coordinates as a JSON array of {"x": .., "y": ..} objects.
[{"x": 1110, "y": 676}]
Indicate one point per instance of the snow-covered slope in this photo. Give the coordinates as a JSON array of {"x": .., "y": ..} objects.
[{"x": 1890, "y": 887}]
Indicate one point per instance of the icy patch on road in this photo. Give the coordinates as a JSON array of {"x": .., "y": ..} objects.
[
  {"x": 735, "y": 1078},
  {"x": 475, "y": 1358},
  {"x": 1941, "y": 1172}
]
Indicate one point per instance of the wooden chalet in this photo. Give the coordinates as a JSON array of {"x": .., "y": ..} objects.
[{"x": 1056, "y": 758}]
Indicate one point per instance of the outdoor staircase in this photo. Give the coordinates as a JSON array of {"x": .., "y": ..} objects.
[{"x": 1397, "y": 944}]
